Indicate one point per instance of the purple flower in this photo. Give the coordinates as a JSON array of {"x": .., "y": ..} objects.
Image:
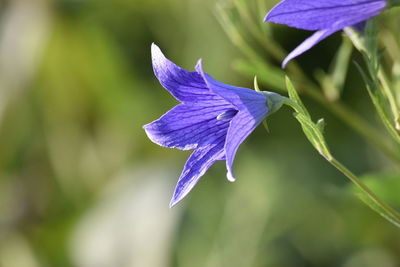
[
  {"x": 323, "y": 16},
  {"x": 213, "y": 119}
]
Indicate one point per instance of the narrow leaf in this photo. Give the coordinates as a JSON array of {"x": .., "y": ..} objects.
[{"x": 295, "y": 97}]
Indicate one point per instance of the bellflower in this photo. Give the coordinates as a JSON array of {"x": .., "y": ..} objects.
[
  {"x": 323, "y": 16},
  {"x": 213, "y": 119}
]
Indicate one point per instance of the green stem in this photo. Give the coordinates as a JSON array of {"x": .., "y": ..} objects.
[
  {"x": 389, "y": 93},
  {"x": 292, "y": 104},
  {"x": 314, "y": 134},
  {"x": 394, "y": 216},
  {"x": 357, "y": 123},
  {"x": 345, "y": 114}
]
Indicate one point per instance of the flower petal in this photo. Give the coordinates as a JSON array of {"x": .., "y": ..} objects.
[
  {"x": 239, "y": 97},
  {"x": 195, "y": 167},
  {"x": 241, "y": 126},
  {"x": 308, "y": 44},
  {"x": 187, "y": 126},
  {"x": 185, "y": 86},
  {"x": 323, "y": 14}
]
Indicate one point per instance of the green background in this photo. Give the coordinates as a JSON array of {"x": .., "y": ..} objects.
[{"x": 81, "y": 184}]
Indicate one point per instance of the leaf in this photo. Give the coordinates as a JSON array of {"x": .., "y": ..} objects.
[
  {"x": 321, "y": 125},
  {"x": 332, "y": 82},
  {"x": 382, "y": 94},
  {"x": 314, "y": 135},
  {"x": 313, "y": 131},
  {"x": 294, "y": 96},
  {"x": 380, "y": 103},
  {"x": 387, "y": 186},
  {"x": 341, "y": 63}
]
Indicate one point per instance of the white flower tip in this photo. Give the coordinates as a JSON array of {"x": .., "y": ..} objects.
[
  {"x": 199, "y": 66},
  {"x": 154, "y": 49},
  {"x": 230, "y": 177},
  {"x": 173, "y": 203},
  {"x": 267, "y": 17},
  {"x": 154, "y": 46},
  {"x": 158, "y": 58},
  {"x": 176, "y": 199},
  {"x": 286, "y": 61}
]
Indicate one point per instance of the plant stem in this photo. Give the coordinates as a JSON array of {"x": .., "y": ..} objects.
[
  {"x": 357, "y": 123},
  {"x": 389, "y": 93},
  {"x": 394, "y": 216},
  {"x": 344, "y": 113}
]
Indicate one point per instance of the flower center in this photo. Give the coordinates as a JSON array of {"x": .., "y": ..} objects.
[{"x": 227, "y": 114}]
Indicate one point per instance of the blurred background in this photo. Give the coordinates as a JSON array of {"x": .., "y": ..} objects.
[{"x": 81, "y": 185}]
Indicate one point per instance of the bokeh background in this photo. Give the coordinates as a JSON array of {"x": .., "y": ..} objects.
[{"x": 81, "y": 185}]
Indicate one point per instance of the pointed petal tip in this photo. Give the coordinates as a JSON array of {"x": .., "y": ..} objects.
[
  {"x": 230, "y": 177},
  {"x": 173, "y": 203},
  {"x": 199, "y": 66},
  {"x": 153, "y": 134},
  {"x": 271, "y": 13},
  {"x": 267, "y": 17},
  {"x": 156, "y": 53},
  {"x": 147, "y": 129},
  {"x": 176, "y": 199},
  {"x": 285, "y": 62},
  {"x": 146, "y": 126},
  {"x": 154, "y": 47},
  {"x": 200, "y": 71},
  {"x": 310, "y": 42}
]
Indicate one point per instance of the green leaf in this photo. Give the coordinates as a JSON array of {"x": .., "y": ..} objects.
[
  {"x": 387, "y": 186},
  {"x": 313, "y": 131},
  {"x": 332, "y": 82},
  {"x": 314, "y": 135},
  {"x": 379, "y": 100},
  {"x": 256, "y": 87},
  {"x": 340, "y": 66},
  {"x": 294, "y": 96},
  {"x": 382, "y": 94},
  {"x": 321, "y": 125}
]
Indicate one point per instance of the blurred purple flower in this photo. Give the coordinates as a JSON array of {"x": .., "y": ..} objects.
[
  {"x": 213, "y": 119},
  {"x": 323, "y": 16}
]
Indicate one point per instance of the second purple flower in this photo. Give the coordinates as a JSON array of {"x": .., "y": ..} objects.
[{"x": 323, "y": 16}]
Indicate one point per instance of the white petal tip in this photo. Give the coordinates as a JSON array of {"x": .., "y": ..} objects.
[
  {"x": 199, "y": 66},
  {"x": 154, "y": 46},
  {"x": 172, "y": 204},
  {"x": 230, "y": 177},
  {"x": 156, "y": 52},
  {"x": 285, "y": 62}
]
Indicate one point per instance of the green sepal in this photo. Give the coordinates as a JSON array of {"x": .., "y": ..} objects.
[{"x": 274, "y": 100}]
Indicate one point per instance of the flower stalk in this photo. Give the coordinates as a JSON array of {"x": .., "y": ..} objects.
[
  {"x": 376, "y": 203},
  {"x": 314, "y": 133}
]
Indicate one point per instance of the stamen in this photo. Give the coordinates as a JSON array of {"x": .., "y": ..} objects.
[{"x": 227, "y": 115}]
